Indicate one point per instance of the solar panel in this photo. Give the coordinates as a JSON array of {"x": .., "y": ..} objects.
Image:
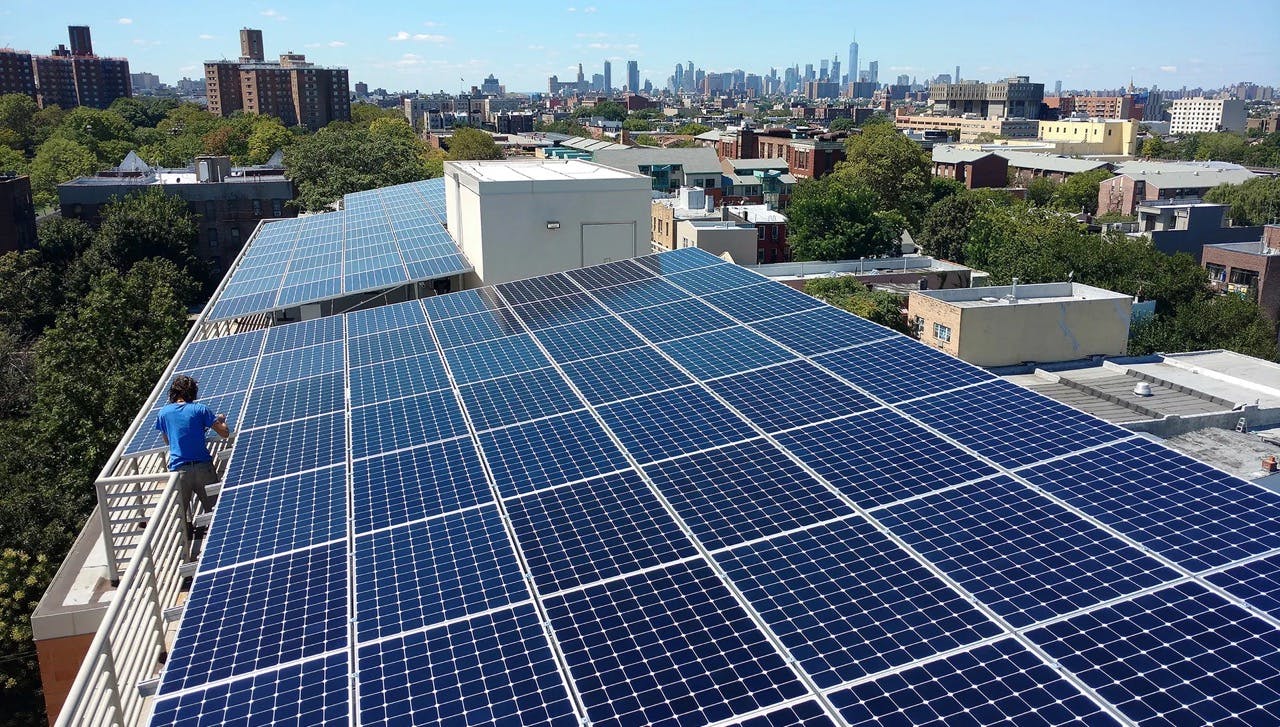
[
  {"x": 662, "y": 490},
  {"x": 384, "y": 238}
]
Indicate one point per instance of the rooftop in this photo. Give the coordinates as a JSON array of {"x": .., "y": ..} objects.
[
  {"x": 538, "y": 170},
  {"x": 757, "y": 213},
  {"x": 953, "y": 155},
  {"x": 700, "y": 160},
  {"x": 1050, "y": 162},
  {"x": 1032, "y": 294}
]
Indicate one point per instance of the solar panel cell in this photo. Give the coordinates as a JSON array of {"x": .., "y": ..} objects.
[
  {"x": 676, "y": 320},
  {"x": 892, "y": 370},
  {"x": 284, "y": 449},
  {"x": 309, "y": 693},
  {"x": 757, "y": 302},
  {"x": 624, "y": 374},
  {"x": 589, "y": 338},
  {"x": 724, "y": 352},
  {"x": 790, "y": 395},
  {"x": 549, "y": 452},
  {"x": 407, "y": 422},
  {"x": 672, "y": 423},
  {"x": 294, "y": 400},
  {"x": 417, "y": 483},
  {"x": 518, "y": 398},
  {"x": 502, "y": 357},
  {"x": 821, "y": 330}
]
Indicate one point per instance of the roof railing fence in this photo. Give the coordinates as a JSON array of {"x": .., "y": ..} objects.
[{"x": 129, "y": 646}]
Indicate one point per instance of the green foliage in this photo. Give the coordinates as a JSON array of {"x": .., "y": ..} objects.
[
  {"x": 1079, "y": 192},
  {"x": 843, "y": 123},
  {"x": 637, "y": 125},
  {"x": 339, "y": 160},
  {"x": 836, "y": 219},
  {"x": 364, "y": 114},
  {"x": 12, "y": 160},
  {"x": 150, "y": 224},
  {"x": 692, "y": 129},
  {"x": 1222, "y": 146},
  {"x": 17, "y": 116},
  {"x": 58, "y": 160},
  {"x": 1226, "y": 321},
  {"x": 609, "y": 110},
  {"x": 844, "y": 291},
  {"x": 473, "y": 144},
  {"x": 23, "y": 578},
  {"x": 268, "y": 137},
  {"x": 945, "y": 229},
  {"x": 564, "y": 126},
  {"x": 1154, "y": 147},
  {"x": 1041, "y": 191},
  {"x": 29, "y": 293},
  {"x": 1256, "y": 202},
  {"x": 893, "y": 167}
]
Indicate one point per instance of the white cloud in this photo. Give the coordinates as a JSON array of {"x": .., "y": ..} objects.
[
  {"x": 206, "y": 36},
  {"x": 273, "y": 14},
  {"x": 431, "y": 24},
  {"x": 589, "y": 9},
  {"x": 1169, "y": 69},
  {"x": 571, "y": 10},
  {"x": 404, "y": 35},
  {"x": 337, "y": 43},
  {"x": 125, "y": 21}
]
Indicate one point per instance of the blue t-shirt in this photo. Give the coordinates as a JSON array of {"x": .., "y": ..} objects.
[{"x": 184, "y": 424}]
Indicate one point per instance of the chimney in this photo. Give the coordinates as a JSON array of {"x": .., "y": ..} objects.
[{"x": 1271, "y": 237}]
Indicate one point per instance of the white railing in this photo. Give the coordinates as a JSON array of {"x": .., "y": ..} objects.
[{"x": 129, "y": 646}]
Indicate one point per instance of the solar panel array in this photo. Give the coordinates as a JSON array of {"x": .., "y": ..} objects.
[
  {"x": 379, "y": 239},
  {"x": 667, "y": 491}
]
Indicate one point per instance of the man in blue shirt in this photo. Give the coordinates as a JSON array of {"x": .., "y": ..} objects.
[{"x": 182, "y": 424}]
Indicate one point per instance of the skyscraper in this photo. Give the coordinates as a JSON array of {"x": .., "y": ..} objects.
[
  {"x": 1057, "y": 88},
  {"x": 852, "y": 70},
  {"x": 873, "y": 71},
  {"x": 608, "y": 77},
  {"x": 633, "y": 76},
  {"x": 835, "y": 69},
  {"x": 957, "y": 76},
  {"x": 251, "y": 46},
  {"x": 823, "y": 74},
  {"x": 81, "y": 42},
  {"x": 690, "y": 78}
]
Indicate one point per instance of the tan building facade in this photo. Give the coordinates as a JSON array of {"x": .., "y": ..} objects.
[
  {"x": 1092, "y": 136},
  {"x": 1007, "y": 325}
]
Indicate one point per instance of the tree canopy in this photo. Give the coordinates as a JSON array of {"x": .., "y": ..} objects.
[
  {"x": 893, "y": 167},
  {"x": 1256, "y": 202},
  {"x": 340, "y": 160},
  {"x": 846, "y": 292},
  {"x": 1079, "y": 192},
  {"x": 835, "y": 218},
  {"x": 473, "y": 144}
]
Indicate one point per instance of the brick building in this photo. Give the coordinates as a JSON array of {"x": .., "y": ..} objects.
[
  {"x": 76, "y": 77},
  {"x": 1015, "y": 97},
  {"x": 16, "y": 73},
  {"x": 1248, "y": 269},
  {"x": 17, "y": 213},
  {"x": 807, "y": 157},
  {"x": 293, "y": 90},
  {"x": 1137, "y": 182},
  {"x": 973, "y": 169}
]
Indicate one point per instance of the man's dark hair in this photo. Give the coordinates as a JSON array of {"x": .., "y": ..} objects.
[{"x": 183, "y": 388}]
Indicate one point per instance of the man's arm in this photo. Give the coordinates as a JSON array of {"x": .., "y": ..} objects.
[{"x": 220, "y": 426}]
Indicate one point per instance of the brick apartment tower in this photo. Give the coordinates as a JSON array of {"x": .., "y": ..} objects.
[{"x": 292, "y": 90}]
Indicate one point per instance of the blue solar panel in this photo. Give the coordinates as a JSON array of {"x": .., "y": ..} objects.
[
  {"x": 542, "y": 288},
  {"x": 260, "y": 615},
  {"x": 388, "y": 345},
  {"x": 742, "y": 492},
  {"x": 688, "y": 258},
  {"x": 221, "y": 350},
  {"x": 594, "y": 530},
  {"x": 666, "y": 647},
  {"x": 423, "y": 573},
  {"x": 275, "y": 516},
  {"x": 309, "y": 333},
  {"x": 493, "y": 669},
  {"x": 1257, "y": 582},
  {"x": 761, "y": 301},
  {"x": 549, "y": 452},
  {"x": 462, "y": 303},
  {"x": 589, "y": 338},
  {"x": 405, "y": 422},
  {"x": 821, "y": 330},
  {"x": 625, "y": 374},
  {"x": 417, "y": 483},
  {"x": 294, "y": 400},
  {"x": 638, "y": 294},
  {"x": 299, "y": 363},
  {"x": 895, "y": 370},
  {"x": 724, "y": 352},
  {"x": 218, "y": 380},
  {"x": 1010, "y": 424},
  {"x": 878, "y": 457},
  {"x": 477, "y": 327},
  {"x": 804, "y": 714},
  {"x": 676, "y": 320},
  {"x": 510, "y": 355},
  {"x": 599, "y": 276},
  {"x": 1178, "y": 507},
  {"x": 518, "y": 398},
  {"x": 790, "y": 395},
  {"x": 1016, "y": 551},
  {"x": 559, "y": 311},
  {"x": 287, "y": 448},
  {"x": 715, "y": 279},
  {"x": 396, "y": 378},
  {"x": 308, "y": 693},
  {"x": 847, "y": 602},
  {"x": 385, "y": 318},
  {"x": 672, "y": 423},
  {"x": 1178, "y": 656},
  {"x": 995, "y": 684}
]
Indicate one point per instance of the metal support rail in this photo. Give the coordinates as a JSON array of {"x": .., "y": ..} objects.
[{"x": 129, "y": 646}]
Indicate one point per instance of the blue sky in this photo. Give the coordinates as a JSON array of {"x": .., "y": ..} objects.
[{"x": 430, "y": 46}]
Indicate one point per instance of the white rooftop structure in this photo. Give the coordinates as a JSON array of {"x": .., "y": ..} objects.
[
  {"x": 539, "y": 170},
  {"x": 1031, "y": 294}
]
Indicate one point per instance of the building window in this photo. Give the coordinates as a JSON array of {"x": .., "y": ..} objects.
[
  {"x": 213, "y": 237},
  {"x": 941, "y": 332},
  {"x": 277, "y": 208},
  {"x": 1217, "y": 273}
]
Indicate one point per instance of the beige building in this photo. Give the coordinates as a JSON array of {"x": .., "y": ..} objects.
[
  {"x": 516, "y": 219},
  {"x": 690, "y": 203},
  {"x": 1118, "y": 137},
  {"x": 1192, "y": 115},
  {"x": 719, "y": 237},
  {"x": 1006, "y": 325},
  {"x": 970, "y": 127}
]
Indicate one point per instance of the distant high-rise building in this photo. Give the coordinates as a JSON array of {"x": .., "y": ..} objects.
[
  {"x": 904, "y": 79},
  {"x": 608, "y": 77},
  {"x": 835, "y": 69},
  {"x": 16, "y": 74},
  {"x": 251, "y": 46},
  {"x": 823, "y": 74},
  {"x": 1057, "y": 88},
  {"x": 809, "y": 75},
  {"x": 633, "y": 76},
  {"x": 582, "y": 80},
  {"x": 597, "y": 82},
  {"x": 873, "y": 71},
  {"x": 1015, "y": 97},
  {"x": 293, "y": 90},
  {"x": 957, "y": 74},
  {"x": 145, "y": 82},
  {"x": 490, "y": 86},
  {"x": 81, "y": 42},
  {"x": 677, "y": 79},
  {"x": 852, "y": 70},
  {"x": 690, "y": 78},
  {"x": 362, "y": 89},
  {"x": 71, "y": 77}
]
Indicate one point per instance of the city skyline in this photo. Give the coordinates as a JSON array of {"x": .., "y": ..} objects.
[{"x": 448, "y": 48}]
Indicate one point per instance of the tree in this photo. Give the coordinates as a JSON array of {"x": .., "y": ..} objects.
[
  {"x": 845, "y": 292},
  {"x": 364, "y": 114},
  {"x": 23, "y": 579},
  {"x": 1154, "y": 147},
  {"x": 150, "y": 224},
  {"x": 836, "y": 219},
  {"x": 473, "y": 144},
  {"x": 30, "y": 294},
  {"x": 692, "y": 129},
  {"x": 945, "y": 230},
  {"x": 1256, "y": 202},
  {"x": 339, "y": 160},
  {"x": 844, "y": 123},
  {"x": 1227, "y": 321},
  {"x": 893, "y": 167},
  {"x": 562, "y": 127},
  {"x": 17, "y": 115},
  {"x": 1041, "y": 190},
  {"x": 1079, "y": 192},
  {"x": 634, "y": 124},
  {"x": 268, "y": 137},
  {"x": 56, "y": 161},
  {"x": 12, "y": 160}
]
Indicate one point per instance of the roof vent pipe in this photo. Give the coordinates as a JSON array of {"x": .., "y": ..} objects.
[
  {"x": 1142, "y": 388},
  {"x": 1013, "y": 293}
]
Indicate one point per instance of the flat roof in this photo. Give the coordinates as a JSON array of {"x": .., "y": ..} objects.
[
  {"x": 536, "y": 170},
  {"x": 757, "y": 213},
  {"x": 1030, "y": 294}
]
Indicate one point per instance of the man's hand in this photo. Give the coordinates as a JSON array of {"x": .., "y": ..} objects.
[{"x": 220, "y": 426}]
